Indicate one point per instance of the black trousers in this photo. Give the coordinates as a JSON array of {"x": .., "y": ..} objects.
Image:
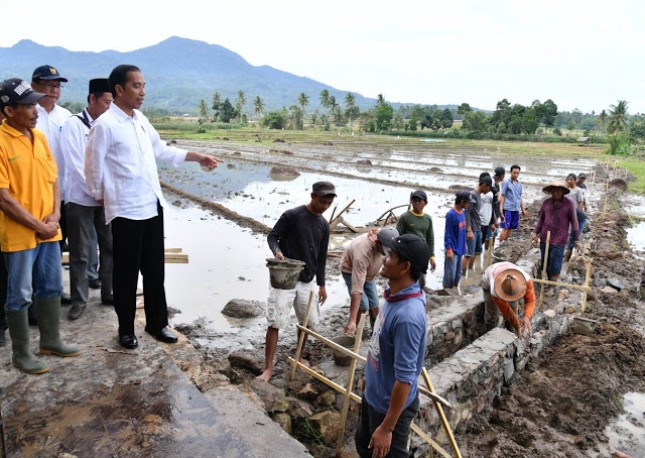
[
  {"x": 139, "y": 247},
  {"x": 370, "y": 419}
]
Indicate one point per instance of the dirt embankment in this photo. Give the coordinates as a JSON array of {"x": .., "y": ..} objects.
[{"x": 560, "y": 406}]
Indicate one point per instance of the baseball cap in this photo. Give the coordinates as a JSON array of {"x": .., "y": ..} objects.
[
  {"x": 323, "y": 188},
  {"x": 500, "y": 171},
  {"x": 419, "y": 194},
  {"x": 15, "y": 90},
  {"x": 47, "y": 72},
  {"x": 385, "y": 236},
  {"x": 99, "y": 86},
  {"x": 582, "y": 175},
  {"x": 462, "y": 196},
  {"x": 411, "y": 247}
]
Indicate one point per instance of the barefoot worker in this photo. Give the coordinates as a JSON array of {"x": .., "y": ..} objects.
[
  {"x": 301, "y": 233},
  {"x": 504, "y": 285},
  {"x": 360, "y": 264},
  {"x": 396, "y": 352},
  {"x": 511, "y": 203}
]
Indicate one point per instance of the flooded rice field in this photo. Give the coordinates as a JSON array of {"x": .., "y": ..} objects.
[{"x": 227, "y": 262}]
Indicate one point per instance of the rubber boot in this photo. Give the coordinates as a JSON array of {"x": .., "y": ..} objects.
[
  {"x": 22, "y": 357},
  {"x": 48, "y": 315}
]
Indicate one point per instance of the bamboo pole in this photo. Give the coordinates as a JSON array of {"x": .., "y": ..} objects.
[
  {"x": 593, "y": 177},
  {"x": 586, "y": 289},
  {"x": 557, "y": 283},
  {"x": 429, "y": 440},
  {"x": 545, "y": 263},
  {"x": 350, "y": 386},
  {"x": 303, "y": 336},
  {"x": 442, "y": 415},
  {"x": 343, "y": 210}
]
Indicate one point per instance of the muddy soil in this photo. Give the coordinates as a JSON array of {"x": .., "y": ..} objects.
[{"x": 561, "y": 405}]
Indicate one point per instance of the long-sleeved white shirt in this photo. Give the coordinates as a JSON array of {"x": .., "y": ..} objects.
[
  {"x": 72, "y": 142},
  {"x": 120, "y": 166},
  {"x": 51, "y": 124}
]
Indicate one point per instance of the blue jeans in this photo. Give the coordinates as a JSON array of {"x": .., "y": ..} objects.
[
  {"x": 42, "y": 265},
  {"x": 452, "y": 271},
  {"x": 369, "y": 299},
  {"x": 582, "y": 222}
]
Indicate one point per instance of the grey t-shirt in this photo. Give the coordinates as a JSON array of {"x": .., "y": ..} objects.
[{"x": 473, "y": 220}]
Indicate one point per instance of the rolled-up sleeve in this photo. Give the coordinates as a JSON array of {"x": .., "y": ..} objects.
[{"x": 164, "y": 151}]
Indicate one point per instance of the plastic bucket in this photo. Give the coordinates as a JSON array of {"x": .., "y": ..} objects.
[
  {"x": 284, "y": 273},
  {"x": 344, "y": 341}
]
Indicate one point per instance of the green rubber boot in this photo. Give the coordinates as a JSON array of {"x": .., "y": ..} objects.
[
  {"x": 23, "y": 358},
  {"x": 48, "y": 316}
]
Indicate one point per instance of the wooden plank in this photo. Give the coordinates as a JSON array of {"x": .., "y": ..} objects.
[{"x": 170, "y": 257}]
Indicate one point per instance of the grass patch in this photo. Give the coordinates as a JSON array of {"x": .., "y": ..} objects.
[{"x": 635, "y": 166}]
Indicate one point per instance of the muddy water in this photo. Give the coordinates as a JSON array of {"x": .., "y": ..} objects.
[{"x": 627, "y": 432}]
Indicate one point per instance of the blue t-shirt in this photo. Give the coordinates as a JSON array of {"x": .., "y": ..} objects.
[
  {"x": 397, "y": 347},
  {"x": 455, "y": 235},
  {"x": 512, "y": 195}
]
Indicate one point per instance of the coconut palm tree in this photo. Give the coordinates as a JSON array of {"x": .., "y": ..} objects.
[
  {"x": 303, "y": 100},
  {"x": 239, "y": 104},
  {"x": 324, "y": 98},
  {"x": 617, "y": 117},
  {"x": 258, "y": 105}
]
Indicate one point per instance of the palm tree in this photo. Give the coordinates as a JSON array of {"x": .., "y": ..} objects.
[
  {"x": 351, "y": 110},
  {"x": 303, "y": 100},
  {"x": 324, "y": 98},
  {"x": 258, "y": 105},
  {"x": 239, "y": 104},
  {"x": 617, "y": 117}
]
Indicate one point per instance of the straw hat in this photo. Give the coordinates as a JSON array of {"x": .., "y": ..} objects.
[
  {"x": 510, "y": 285},
  {"x": 555, "y": 185}
]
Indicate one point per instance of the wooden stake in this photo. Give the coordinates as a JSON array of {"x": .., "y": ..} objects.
[
  {"x": 303, "y": 335},
  {"x": 442, "y": 415},
  {"x": 586, "y": 290},
  {"x": 545, "y": 263},
  {"x": 350, "y": 385}
]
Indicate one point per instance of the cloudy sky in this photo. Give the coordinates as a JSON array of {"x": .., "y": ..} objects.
[{"x": 581, "y": 54}]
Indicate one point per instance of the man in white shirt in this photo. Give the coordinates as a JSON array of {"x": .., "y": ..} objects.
[
  {"x": 51, "y": 117},
  {"x": 121, "y": 173},
  {"x": 84, "y": 214}
]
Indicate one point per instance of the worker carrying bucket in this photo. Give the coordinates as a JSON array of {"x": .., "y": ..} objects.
[{"x": 504, "y": 285}]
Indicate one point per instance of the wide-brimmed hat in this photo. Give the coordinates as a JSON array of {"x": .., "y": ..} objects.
[
  {"x": 555, "y": 185},
  {"x": 510, "y": 285}
]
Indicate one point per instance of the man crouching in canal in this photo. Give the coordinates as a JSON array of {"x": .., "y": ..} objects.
[
  {"x": 301, "y": 233},
  {"x": 396, "y": 352}
]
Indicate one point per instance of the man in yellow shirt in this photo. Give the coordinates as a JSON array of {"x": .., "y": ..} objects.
[{"x": 29, "y": 227}]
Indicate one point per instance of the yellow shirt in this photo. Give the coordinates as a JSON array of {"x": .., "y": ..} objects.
[{"x": 29, "y": 172}]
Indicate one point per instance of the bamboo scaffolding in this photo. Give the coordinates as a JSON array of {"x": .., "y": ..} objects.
[{"x": 347, "y": 390}]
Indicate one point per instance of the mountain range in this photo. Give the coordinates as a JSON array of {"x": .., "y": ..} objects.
[{"x": 179, "y": 72}]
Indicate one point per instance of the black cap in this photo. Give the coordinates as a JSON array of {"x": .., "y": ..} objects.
[
  {"x": 99, "y": 86},
  {"x": 462, "y": 196},
  {"x": 411, "y": 247},
  {"x": 419, "y": 194},
  {"x": 582, "y": 175},
  {"x": 572, "y": 175},
  {"x": 47, "y": 72},
  {"x": 323, "y": 188},
  {"x": 500, "y": 171},
  {"x": 15, "y": 90}
]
